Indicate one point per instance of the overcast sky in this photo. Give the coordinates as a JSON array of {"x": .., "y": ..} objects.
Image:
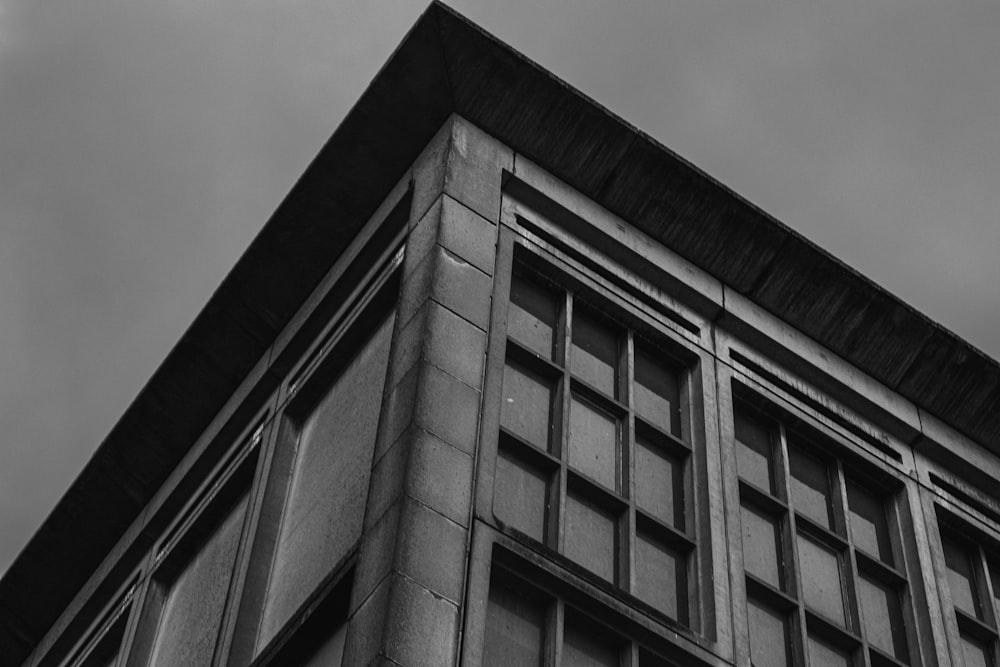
[{"x": 144, "y": 143}]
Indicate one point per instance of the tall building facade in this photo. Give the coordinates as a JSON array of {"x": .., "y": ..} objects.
[{"x": 505, "y": 382}]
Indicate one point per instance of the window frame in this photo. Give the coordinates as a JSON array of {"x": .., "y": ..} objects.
[
  {"x": 302, "y": 388},
  {"x": 979, "y": 539},
  {"x": 684, "y": 345},
  {"x": 496, "y": 554},
  {"x": 233, "y": 484},
  {"x": 851, "y": 463}
]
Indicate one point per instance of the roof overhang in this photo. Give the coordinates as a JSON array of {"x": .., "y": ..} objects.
[{"x": 448, "y": 65}]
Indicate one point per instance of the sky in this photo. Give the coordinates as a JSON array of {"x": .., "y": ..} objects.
[{"x": 143, "y": 144}]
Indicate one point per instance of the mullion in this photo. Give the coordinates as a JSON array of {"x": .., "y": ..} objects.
[
  {"x": 988, "y": 604},
  {"x": 554, "y": 638},
  {"x": 849, "y": 564},
  {"x": 627, "y": 394},
  {"x": 986, "y": 587},
  {"x": 793, "y": 581},
  {"x": 563, "y": 325}
]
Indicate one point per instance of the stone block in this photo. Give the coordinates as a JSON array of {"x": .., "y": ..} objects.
[
  {"x": 415, "y": 288},
  {"x": 365, "y": 628},
  {"x": 421, "y": 629},
  {"x": 474, "y": 168},
  {"x": 423, "y": 236},
  {"x": 387, "y": 478},
  {"x": 429, "y": 172},
  {"x": 376, "y": 557},
  {"x": 431, "y": 550},
  {"x": 440, "y": 476},
  {"x": 406, "y": 346},
  {"x": 397, "y": 412},
  {"x": 454, "y": 345},
  {"x": 447, "y": 408},
  {"x": 467, "y": 235},
  {"x": 462, "y": 288}
]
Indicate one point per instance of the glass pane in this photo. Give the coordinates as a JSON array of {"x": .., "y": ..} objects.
[
  {"x": 869, "y": 527},
  {"x": 975, "y": 652},
  {"x": 961, "y": 581},
  {"x": 822, "y": 654},
  {"x": 994, "y": 568},
  {"x": 754, "y": 452},
  {"x": 820, "y": 574},
  {"x": 883, "y": 618},
  {"x": 585, "y": 646},
  {"x": 519, "y": 498},
  {"x": 526, "y": 407},
  {"x": 810, "y": 486},
  {"x": 514, "y": 628},
  {"x": 661, "y": 578},
  {"x": 761, "y": 547},
  {"x": 590, "y": 536},
  {"x": 330, "y": 653},
  {"x": 192, "y": 612},
  {"x": 659, "y": 484},
  {"x": 531, "y": 319},
  {"x": 105, "y": 654},
  {"x": 657, "y": 392},
  {"x": 595, "y": 353},
  {"x": 768, "y": 637},
  {"x": 593, "y": 443},
  {"x": 328, "y": 489}
]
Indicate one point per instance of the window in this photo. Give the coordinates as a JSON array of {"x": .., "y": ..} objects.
[
  {"x": 530, "y": 628},
  {"x": 321, "y": 638},
  {"x": 183, "y": 611},
  {"x": 322, "y": 475},
  {"x": 823, "y": 563},
  {"x": 973, "y": 579},
  {"x": 593, "y": 457},
  {"x": 105, "y": 651}
]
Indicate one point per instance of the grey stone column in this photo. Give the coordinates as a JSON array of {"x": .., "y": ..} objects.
[{"x": 409, "y": 585}]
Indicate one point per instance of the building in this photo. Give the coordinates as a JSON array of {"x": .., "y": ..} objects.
[{"x": 505, "y": 382}]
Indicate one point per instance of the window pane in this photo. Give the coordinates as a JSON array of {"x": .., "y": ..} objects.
[
  {"x": 514, "y": 628},
  {"x": 531, "y": 319},
  {"x": 661, "y": 578},
  {"x": 883, "y": 618},
  {"x": 869, "y": 527},
  {"x": 994, "y": 568},
  {"x": 330, "y": 653},
  {"x": 961, "y": 582},
  {"x": 657, "y": 392},
  {"x": 761, "y": 547},
  {"x": 768, "y": 637},
  {"x": 810, "y": 486},
  {"x": 822, "y": 654},
  {"x": 590, "y": 536},
  {"x": 593, "y": 443},
  {"x": 325, "y": 507},
  {"x": 754, "y": 453},
  {"x": 595, "y": 353},
  {"x": 105, "y": 654},
  {"x": 585, "y": 647},
  {"x": 526, "y": 407},
  {"x": 659, "y": 484},
  {"x": 820, "y": 575},
  {"x": 191, "y": 614},
  {"x": 520, "y": 496},
  {"x": 975, "y": 652}
]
